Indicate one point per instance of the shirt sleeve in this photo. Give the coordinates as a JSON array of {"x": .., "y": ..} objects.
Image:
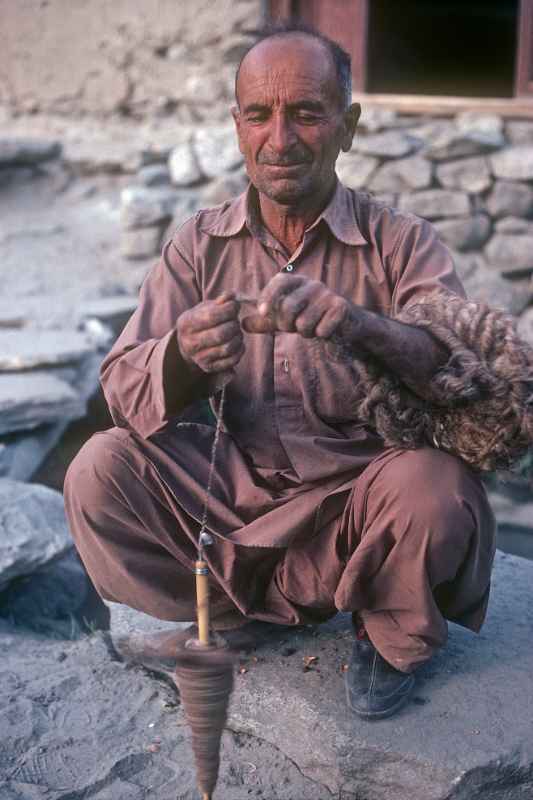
[
  {"x": 144, "y": 378},
  {"x": 420, "y": 264}
]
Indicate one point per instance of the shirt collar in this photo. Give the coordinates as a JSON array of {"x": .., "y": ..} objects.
[
  {"x": 339, "y": 215},
  {"x": 341, "y": 218}
]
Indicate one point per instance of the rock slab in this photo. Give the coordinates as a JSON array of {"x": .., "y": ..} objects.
[
  {"x": 32, "y": 398},
  {"x": 33, "y": 529},
  {"x": 23, "y": 151},
  {"x": 468, "y": 734},
  {"x": 31, "y": 348}
]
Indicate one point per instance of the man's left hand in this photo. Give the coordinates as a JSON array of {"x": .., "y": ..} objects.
[{"x": 297, "y": 304}]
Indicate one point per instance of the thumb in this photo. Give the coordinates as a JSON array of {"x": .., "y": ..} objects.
[{"x": 256, "y": 323}]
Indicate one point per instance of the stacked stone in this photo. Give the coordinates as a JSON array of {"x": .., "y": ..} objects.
[
  {"x": 140, "y": 59},
  {"x": 472, "y": 177},
  {"x": 204, "y": 168}
]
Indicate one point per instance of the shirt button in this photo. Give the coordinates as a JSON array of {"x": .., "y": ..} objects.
[
  {"x": 289, "y": 267},
  {"x": 286, "y": 364}
]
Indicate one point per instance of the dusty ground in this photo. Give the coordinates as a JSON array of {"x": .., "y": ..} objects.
[{"x": 76, "y": 723}]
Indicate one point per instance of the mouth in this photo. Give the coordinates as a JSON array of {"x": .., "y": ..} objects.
[{"x": 286, "y": 167}]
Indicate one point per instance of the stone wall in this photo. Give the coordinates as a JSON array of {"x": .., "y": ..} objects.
[{"x": 131, "y": 57}]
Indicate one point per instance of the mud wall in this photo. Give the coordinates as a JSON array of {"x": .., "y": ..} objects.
[{"x": 126, "y": 57}]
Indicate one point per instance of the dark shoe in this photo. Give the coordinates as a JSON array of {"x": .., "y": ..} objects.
[{"x": 374, "y": 689}]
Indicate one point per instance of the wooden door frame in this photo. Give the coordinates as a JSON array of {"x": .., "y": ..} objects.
[
  {"x": 524, "y": 50},
  {"x": 306, "y": 11},
  {"x": 312, "y": 12}
]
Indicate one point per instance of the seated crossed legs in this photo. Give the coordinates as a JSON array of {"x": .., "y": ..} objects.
[{"x": 413, "y": 547}]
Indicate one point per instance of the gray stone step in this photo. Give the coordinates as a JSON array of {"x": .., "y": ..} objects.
[
  {"x": 467, "y": 735},
  {"x": 32, "y": 398},
  {"x": 31, "y": 348}
]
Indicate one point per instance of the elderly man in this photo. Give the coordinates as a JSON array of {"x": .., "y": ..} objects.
[{"x": 311, "y": 513}]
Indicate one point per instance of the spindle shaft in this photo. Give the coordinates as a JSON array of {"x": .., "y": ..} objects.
[{"x": 202, "y": 601}]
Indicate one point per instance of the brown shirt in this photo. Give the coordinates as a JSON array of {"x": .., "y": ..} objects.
[{"x": 290, "y": 407}]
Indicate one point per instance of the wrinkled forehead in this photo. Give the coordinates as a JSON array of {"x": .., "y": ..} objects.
[{"x": 285, "y": 65}]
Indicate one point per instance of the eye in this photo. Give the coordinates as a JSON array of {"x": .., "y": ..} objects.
[
  {"x": 307, "y": 117},
  {"x": 257, "y": 117}
]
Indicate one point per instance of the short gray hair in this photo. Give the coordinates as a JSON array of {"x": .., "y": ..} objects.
[{"x": 341, "y": 59}]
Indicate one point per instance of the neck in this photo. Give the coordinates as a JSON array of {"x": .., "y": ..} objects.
[{"x": 288, "y": 223}]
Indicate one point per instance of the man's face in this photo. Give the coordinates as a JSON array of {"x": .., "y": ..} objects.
[{"x": 290, "y": 120}]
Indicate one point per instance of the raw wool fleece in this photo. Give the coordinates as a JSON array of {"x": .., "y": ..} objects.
[{"x": 480, "y": 404}]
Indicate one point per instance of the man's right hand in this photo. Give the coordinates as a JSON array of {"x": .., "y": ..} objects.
[{"x": 210, "y": 336}]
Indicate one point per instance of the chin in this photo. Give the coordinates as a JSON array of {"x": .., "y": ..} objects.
[{"x": 284, "y": 193}]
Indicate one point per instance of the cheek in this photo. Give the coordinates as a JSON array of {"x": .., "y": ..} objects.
[
  {"x": 323, "y": 144},
  {"x": 250, "y": 144}
]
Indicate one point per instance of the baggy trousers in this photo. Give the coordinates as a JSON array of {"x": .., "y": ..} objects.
[{"x": 412, "y": 546}]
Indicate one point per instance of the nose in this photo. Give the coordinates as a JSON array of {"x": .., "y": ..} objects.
[{"x": 282, "y": 135}]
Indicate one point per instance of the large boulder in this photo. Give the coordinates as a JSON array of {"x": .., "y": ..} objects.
[
  {"x": 33, "y": 529},
  {"x": 466, "y": 735},
  {"x": 468, "y": 730}
]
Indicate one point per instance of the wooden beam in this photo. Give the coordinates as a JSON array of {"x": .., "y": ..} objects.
[{"x": 446, "y": 106}]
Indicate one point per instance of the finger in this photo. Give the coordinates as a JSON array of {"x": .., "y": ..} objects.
[
  {"x": 218, "y": 361},
  {"x": 330, "y": 321},
  {"x": 225, "y": 350},
  {"x": 210, "y": 314},
  {"x": 309, "y": 319},
  {"x": 292, "y": 305},
  {"x": 276, "y": 289},
  {"x": 256, "y": 323},
  {"x": 214, "y": 337},
  {"x": 225, "y": 297},
  {"x": 224, "y": 364}
]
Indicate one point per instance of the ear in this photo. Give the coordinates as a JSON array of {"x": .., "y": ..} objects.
[
  {"x": 236, "y": 114},
  {"x": 351, "y": 118}
]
